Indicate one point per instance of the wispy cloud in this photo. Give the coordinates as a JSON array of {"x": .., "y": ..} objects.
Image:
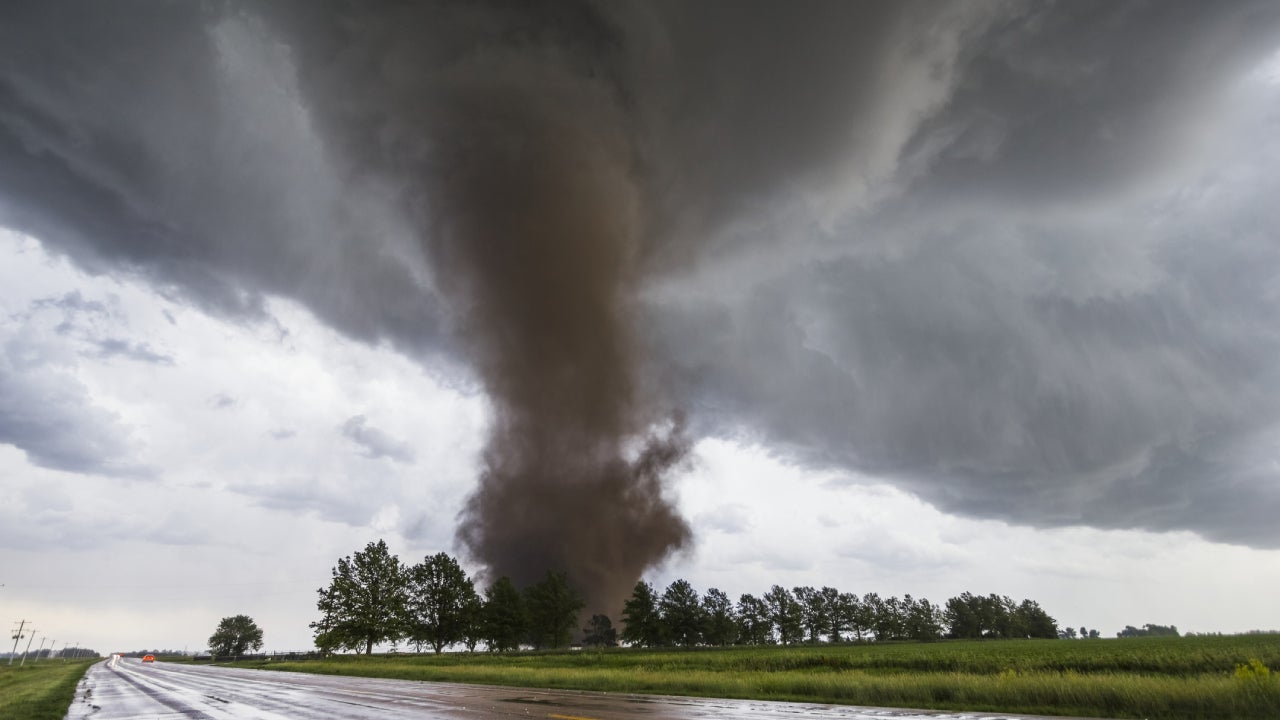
[{"x": 376, "y": 443}]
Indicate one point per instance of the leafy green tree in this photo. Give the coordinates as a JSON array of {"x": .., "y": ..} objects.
[
  {"x": 881, "y": 616},
  {"x": 896, "y": 616},
  {"x": 964, "y": 616},
  {"x": 1034, "y": 622},
  {"x": 755, "y": 627},
  {"x": 235, "y": 636},
  {"x": 600, "y": 632},
  {"x": 472, "y": 620},
  {"x": 923, "y": 620},
  {"x": 785, "y": 613},
  {"x": 641, "y": 622},
  {"x": 440, "y": 596},
  {"x": 682, "y": 614},
  {"x": 364, "y": 603},
  {"x": 846, "y": 616},
  {"x": 553, "y": 607},
  {"x": 504, "y": 619},
  {"x": 814, "y": 613},
  {"x": 997, "y": 616},
  {"x": 721, "y": 624},
  {"x": 835, "y": 625},
  {"x": 1002, "y": 614}
]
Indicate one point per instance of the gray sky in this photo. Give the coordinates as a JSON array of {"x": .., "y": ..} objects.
[{"x": 972, "y": 297}]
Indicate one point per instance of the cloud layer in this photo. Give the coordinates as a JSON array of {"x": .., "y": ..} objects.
[{"x": 1019, "y": 260}]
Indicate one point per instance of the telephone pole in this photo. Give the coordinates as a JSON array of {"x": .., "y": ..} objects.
[
  {"x": 39, "y": 650},
  {"x": 30, "y": 637},
  {"x": 17, "y": 635}
]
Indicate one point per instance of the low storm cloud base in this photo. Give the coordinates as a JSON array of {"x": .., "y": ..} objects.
[{"x": 1017, "y": 259}]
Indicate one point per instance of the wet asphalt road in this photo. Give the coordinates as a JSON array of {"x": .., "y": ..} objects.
[{"x": 126, "y": 689}]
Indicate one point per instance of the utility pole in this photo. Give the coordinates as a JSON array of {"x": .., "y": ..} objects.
[
  {"x": 39, "y": 650},
  {"x": 64, "y": 651},
  {"x": 17, "y": 635},
  {"x": 30, "y": 637}
]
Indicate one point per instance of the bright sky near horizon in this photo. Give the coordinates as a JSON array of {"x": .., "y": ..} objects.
[{"x": 984, "y": 303}]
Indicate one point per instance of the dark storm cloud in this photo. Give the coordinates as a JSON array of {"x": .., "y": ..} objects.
[
  {"x": 376, "y": 443},
  {"x": 167, "y": 141},
  {"x": 1102, "y": 354},
  {"x": 1065, "y": 101},
  {"x": 935, "y": 243}
]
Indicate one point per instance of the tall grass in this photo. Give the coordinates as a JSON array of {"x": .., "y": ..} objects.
[
  {"x": 41, "y": 690},
  {"x": 1168, "y": 678}
]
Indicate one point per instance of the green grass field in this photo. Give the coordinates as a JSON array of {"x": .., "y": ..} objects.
[
  {"x": 1164, "y": 678},
  {"x": 39, "y": 691}
]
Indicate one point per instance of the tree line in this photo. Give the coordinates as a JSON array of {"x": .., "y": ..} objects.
[
  {"x": 374, "y": 598},
  {"x": 812, "y": 615},
  {"x": 1149, "y": 630}
]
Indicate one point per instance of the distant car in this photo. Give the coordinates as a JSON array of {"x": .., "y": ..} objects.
[{"x": 148, "y": 658}]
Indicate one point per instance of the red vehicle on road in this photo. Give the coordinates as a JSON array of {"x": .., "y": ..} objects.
[{"x": 148, "y": 658}]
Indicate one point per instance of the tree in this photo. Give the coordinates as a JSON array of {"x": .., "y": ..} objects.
[
  {"x": 785, "y": 614},
  {"x": 440, "y": 595},
  {"x": 846, "y": 614},
  {"x": 1002, "y": 612},
  {"x": 553, "y": 607},
  {"x": 835, "y": 624},
  {"x": 682, "y": 614},
  {"x": 504, "y": 619},
  {"x": 754, "y": 624},
  {"x": 472, "y": 620},
  {"x": 880, "y": 615},
  {"x": 814, "y": 612},
  {"x": 721, "y": 626},
  {"x": 641, "y": 623},
  {"x": 924, "y": 620},
  {"x": 364, "y": 603},
  {"x": 1034, "y": 622},
  {"x": 235, "y": 636},
  {"x": 600, "y": 632}
]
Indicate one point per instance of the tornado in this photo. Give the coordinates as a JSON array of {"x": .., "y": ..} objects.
[
  {"x": 536, "y": 231},
  {"x": 507, "y": 135}
]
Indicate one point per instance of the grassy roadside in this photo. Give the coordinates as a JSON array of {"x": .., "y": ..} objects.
[
  {"x": 39, "y": 691},
  {"x": 1165, "y": 678}
]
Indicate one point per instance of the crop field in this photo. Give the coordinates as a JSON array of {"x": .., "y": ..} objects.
[
  {"x": 1200, "y": 677},
  {"x": 39, "y": 691}
]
